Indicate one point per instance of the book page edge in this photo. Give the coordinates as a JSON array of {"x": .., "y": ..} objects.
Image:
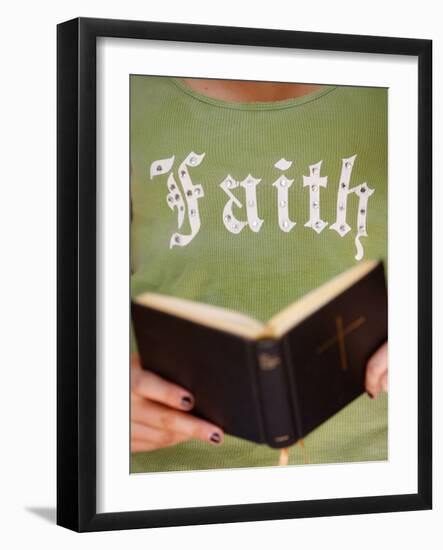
[
  {"x": 311, "y": 302},
  {"x": 207, "y": 315}
]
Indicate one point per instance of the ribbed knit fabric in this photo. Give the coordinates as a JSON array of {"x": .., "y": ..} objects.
[{"x": 257, "y": 272}]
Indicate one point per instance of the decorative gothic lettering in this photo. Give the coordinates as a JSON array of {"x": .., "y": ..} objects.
[
  {"x": 231, "y": 222},
  {"x": 191, "y": 193},
  {"x": 183, "y": 196},
  {"x": 162, "y": 166},
  {"x": 314, "y": 181},
  {"x": 282, "y": 184},
  {"x": 363, "y": 192},
  {"x": 174, "y": 199}
]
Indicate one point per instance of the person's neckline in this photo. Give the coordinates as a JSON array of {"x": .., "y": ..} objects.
[{"x": 255, "y": 105}]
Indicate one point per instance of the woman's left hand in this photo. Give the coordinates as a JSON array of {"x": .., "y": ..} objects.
[{"x": 377, "y": 372}]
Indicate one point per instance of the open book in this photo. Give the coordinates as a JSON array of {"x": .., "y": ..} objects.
[{"x": 268, "y": 382}]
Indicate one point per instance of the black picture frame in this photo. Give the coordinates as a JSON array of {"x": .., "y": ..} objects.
[{"x": 76, "y": 273}]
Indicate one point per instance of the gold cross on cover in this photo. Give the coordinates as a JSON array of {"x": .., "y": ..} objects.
[{"x": 340, "y": 338}]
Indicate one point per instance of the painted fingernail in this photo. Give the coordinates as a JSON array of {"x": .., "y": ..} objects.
[
  {"x": 216, "y": 438},
  {"x": 187, "y": 402}
]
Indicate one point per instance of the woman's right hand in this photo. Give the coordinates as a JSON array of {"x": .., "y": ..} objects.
[{"x": 160, "y": 413}]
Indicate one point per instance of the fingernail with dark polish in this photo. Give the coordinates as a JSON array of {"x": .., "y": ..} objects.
[
  {"x": 215, "y": 438},
  {"x": 187, "y": 402}
]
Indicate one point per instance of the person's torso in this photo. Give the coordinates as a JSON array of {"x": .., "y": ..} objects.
[{"x": 250, "y": 206}]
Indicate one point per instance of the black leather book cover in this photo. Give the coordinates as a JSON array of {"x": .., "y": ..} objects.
[
  {"x": 326, "y": 354},
  {"x": 217, "y": 367},
  {"x": 272, "y": 391}
]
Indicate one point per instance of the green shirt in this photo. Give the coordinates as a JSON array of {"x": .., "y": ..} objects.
[{"x": 249, "y": 206}]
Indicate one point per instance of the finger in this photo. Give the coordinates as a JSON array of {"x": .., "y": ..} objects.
[
  {"x": 158, "y": 438},
  {"x": 373, "y": 381},
  {"x": 384, "y": 382},
  {"x": 149, "y": 385},
  {"x": 161, "y": 417},
  {"x": 376, "y": 367}
]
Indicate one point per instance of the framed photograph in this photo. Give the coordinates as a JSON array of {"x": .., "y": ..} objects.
[{"x": 244, "y": 274}]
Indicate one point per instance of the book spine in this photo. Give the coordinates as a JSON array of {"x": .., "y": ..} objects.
[{"x": 275, "y": 400}]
